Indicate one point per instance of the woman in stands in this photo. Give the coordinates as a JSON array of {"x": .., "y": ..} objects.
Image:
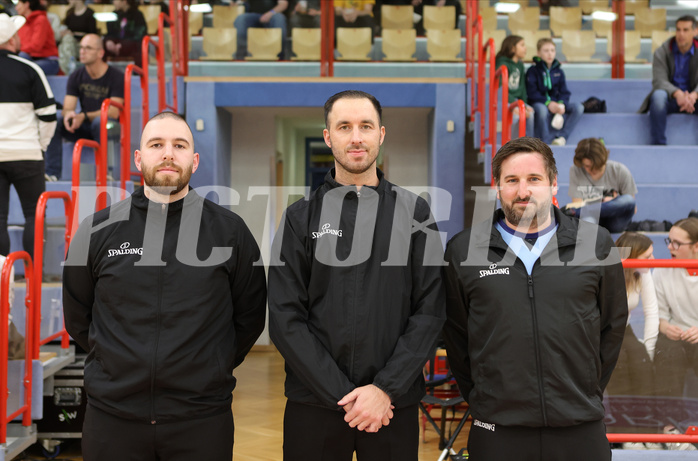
[
  {"x": 79, "y": 21},
  {"x": 124, "y": 35},
  {"x": 677, "y": 295},
  {"x": 38, "y": 41},
  {"x": 511, "y": 55},
  {"x": 633, "y": 374}
]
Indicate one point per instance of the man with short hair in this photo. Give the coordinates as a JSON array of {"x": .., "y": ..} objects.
[
  {"x": 166, "y": 292},
  {"x": 90, "y": 84},
  {"x": 356, "y": 301},
  {"x": 27, "y": 122},
  {"x": 674, "y": 78},
  {"x": 537, "y": 310}
]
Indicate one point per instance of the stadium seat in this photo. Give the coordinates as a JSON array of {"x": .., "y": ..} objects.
[
  {"x": 306, "y": 44},
  {"x": 578, "y": 45},
  {"x": 489, "y": 18},
  {"x": 59, "y": 10},
  {"x": 354, "y": 43},
  {"x": 632, "y": 46},
  {"x": 397, "y": 17},
  {"x": 264, "y": 43},
  {"x": 224, "y": 16},
  {"x": 565, "y": 19},
  {"x": 219, "y": 44},
  {"x": 444, "y": 45},
  {"x": 631, "y": 6},
  {"x": 151, "y": 13},
  {"x": 600, "y": 27},
  {"x": 525, "y": 19},
  {"x": 196, "y": 22},
  {"x": 648, "y": 20},
  {"x": 439, "y": 17},
  {"x": 659, "y": 37},
  {"x": 399, "y": 44},
  {"x": 589, "y": 6}
]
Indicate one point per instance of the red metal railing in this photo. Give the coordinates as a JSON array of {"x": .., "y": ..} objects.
[
  {"x": 25, "y": 409},
  {"x": 618, "y": 37},
  {"x": 101, "y": 164},
  {"x": 691, "y": 435},
  {"x": 506, "y": 122},
  {"x": 477, "y": 105},
  {"x": 126, "y": 172},
  {"x": 327, "y": 43},
  {"x": 501, "y": 76},
  {"x": 39, "y": 264},
  {"x": 481, "y": 86}
]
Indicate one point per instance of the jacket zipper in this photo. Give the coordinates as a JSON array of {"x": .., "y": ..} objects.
[
  {"x": 537, "y": 347},
  {"x": 163, "y": 210},
  {"x": 354, "y": 307}
]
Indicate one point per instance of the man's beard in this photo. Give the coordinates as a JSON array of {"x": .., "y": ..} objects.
[
  {"x": 527, "y": 217},
  {"x": 167, "y": 185}
]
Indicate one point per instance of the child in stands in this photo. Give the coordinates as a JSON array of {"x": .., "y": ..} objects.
[
  {"x": 547, "y": 92},
  {"x": 511, "y": 54}
]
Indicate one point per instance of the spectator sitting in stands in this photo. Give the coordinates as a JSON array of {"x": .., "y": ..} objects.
[
  {"x": 547, "y": 92},
  {"x": 674, "y": 78},
  {"x": 634, "y": 374},
  {"x": 511, "y": 54},
  {"x": 90, "y": 84},
  {"x": 37, "y": 40},
  {"x": 79, "y": 21},
  {"x": 260, "y": 13},
  {"x": 124, "y": 35},
  {"x": 419, "y": 8},
  {"x": 677, "y": 292},
  {"x": 354, "y": 13},
  {"x": 603, "y": 191},
  {"x": 306, "y": 14}
]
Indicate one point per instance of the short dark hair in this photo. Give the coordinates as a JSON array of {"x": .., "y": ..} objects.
[
  {"x": 172, "y": 115},
  {"x": 352, "y": 94},
  {"x": 520, "y": 146},
  {"x": 688, "y": 18},
  {"x": 34, "y": 5},
  {"x": 592, "y": 149}
]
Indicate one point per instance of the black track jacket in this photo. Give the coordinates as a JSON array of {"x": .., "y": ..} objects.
[
  {"x": 535, "y": 350},
  {"x": 346, "y": 314},
  {"x": 165, "y": 314}
]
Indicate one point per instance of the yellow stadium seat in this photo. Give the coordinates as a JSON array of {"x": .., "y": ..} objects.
[
  {"x": 565, "y": 18},
  {"x": 444, "y": 45},
  {"x": 648, "y": 20},
  {"x": 219, "y": 44},
  {"x": 579, "y": 45},
  {"x": 399, "y": 44},
  {"x": 525, "y": 19},
  {"x": 397, "y": 17},
  {"x": 439, "y": 17},
  {"x": 354, "y": 43},
  {"x": 224, "y": 15},
  {"x": 306, "y": 44},
  {"x": 264, "y": 43}
]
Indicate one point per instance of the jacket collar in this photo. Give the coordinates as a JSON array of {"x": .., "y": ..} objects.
[
  {"x": 330, "y": 182},
  {"x": 140, "y": 201},
  {"x": 485, "y": 234}
]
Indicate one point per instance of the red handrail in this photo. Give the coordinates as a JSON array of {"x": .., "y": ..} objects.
[
  {"x": 618, "y": 37},
  {"x": 126, "y": 172},
  {"x": 25, "y": 409},
  {"x": 174, "y": 51},
  {"x": 663, "y": 263},
  {"x": 506, "y": 128},
  {"x": 478, "y": 106},
  {"x": 327, "y": 44},
  {"x": 100, "y": 161},
  {"x": 501, "y": 76},
  {"x": 481, "y": 84},
  {"x": 39, "y": 263}
]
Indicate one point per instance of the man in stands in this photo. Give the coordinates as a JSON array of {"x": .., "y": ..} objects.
[
  {"x": 674, "y": 78},
  {"x": 27, "y": 122},
  {"x": 602, "y": 191},
  {"x": 90, "y": 84},
  {"x": 164, "y": 292}
]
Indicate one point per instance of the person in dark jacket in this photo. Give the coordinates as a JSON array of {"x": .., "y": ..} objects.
[
  {"x": 546, "y": 87},
  {"x": 674, "y": 78},
  {"x": 356, "y": 302},
  {"x": 124, "y": 36},
  {"x": 537, "y": 309},
  {"x": 166, "y": 308}
]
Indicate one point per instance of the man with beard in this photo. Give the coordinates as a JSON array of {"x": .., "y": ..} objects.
[
  {"x": 356, "y": 302},
  {"x": 536, "y": 309},
  {"x": 166, "y": 309}
]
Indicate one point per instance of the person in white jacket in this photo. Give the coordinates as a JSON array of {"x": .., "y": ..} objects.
[{"x": 634, "y": 372}]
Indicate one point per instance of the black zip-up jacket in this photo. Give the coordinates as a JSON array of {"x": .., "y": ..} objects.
[
  {"x": 165, "y": 314},
  {"x": 344, "y": 319},
  {"x": 534, "y": 350}
]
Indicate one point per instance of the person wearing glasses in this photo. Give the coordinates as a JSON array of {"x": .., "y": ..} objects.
[
  {"x": 677, "y": 297},
  {"x": 90, "y": 84}
]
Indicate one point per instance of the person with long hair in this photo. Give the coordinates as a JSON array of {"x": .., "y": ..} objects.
[
  {"x": 634, "y": 374},
  {"x": 79, "y": 21},
  {"x": 124, "y": 35},
  {"x": 511, "y": 54},
  {"x": 38, "y": 43},
  {"x": 677, "y": 297}
]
